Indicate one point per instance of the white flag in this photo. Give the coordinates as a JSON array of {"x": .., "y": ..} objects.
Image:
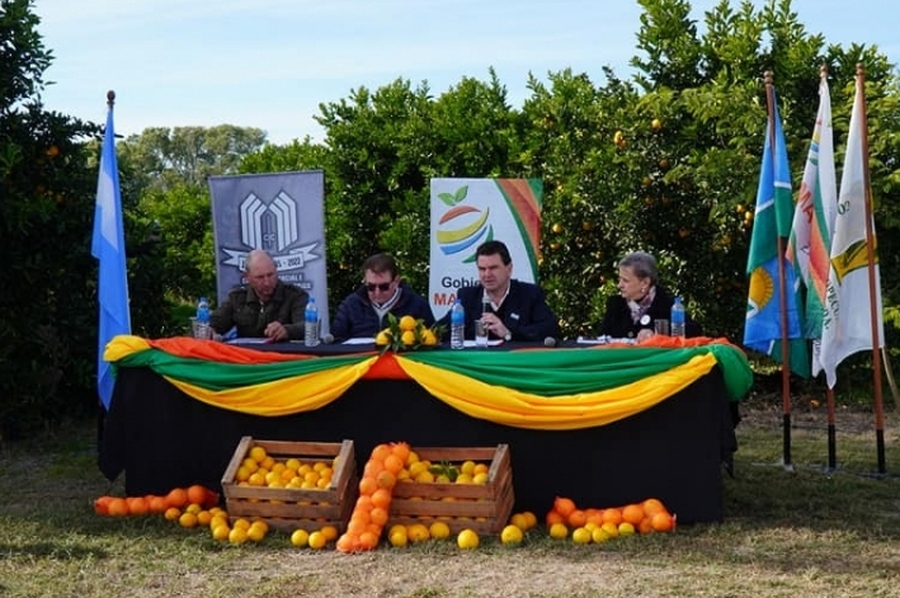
[{"x": 847, "y": 323}]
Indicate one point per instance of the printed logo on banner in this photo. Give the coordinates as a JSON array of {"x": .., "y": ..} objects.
[
  {"x": 273, "y": 227},
  {"x": 468, "y": 212}
]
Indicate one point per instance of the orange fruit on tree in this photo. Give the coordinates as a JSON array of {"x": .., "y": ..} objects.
[
  {"x": 563, "y": 506},
  {"x": 632, "y": 514},
  {"x": 177, "y": 497}
]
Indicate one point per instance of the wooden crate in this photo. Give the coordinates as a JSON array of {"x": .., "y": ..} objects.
[
  {"x": 484, "y": 508},
  {"x": 292, "y": 508}
]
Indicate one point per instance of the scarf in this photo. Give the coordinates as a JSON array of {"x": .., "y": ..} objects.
[{"x": 639, "y": 308}]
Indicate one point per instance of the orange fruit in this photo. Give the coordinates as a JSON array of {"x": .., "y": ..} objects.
[
  {"x": 386, "y": 479},
  {"x": 632, "y": 514},
  {"x": 613, "y": 516},
  {"x": 172, "y": 513},
  {"x": 373, "y": 467},
  {"x": 196, "y": 494},
  {"x": 158, "y": 504},
  {"x": 188, "y": 519},
  {"x": 576, "y": 518},
  {"x": 101, "y": 505},
  {"x": 407, "y": 323},
  {"x": 381, "y": 498},
  {"x": 117, "y": 507},
  {"x": 380, "y": 452},
  {"x": 393, "y": 464},
  {"x": 378, "y": 516},
  {"x": 368, "y": 485},
  {"x": 177, "y": 497},
  {"x": 554, "y": 517},
  {"x": 663, "y": 522},
  {"x": 137, "y": 505},
  {"x": 400, "y": 450},
  {"x": 348, "y": 542},
  {"x": 563, "y": 506},
  {"x": 356, "y": 526},
  {"x": 594, "y": 516},
  {"x": 652, "y": 506},
  {"x": 368, "y": 540},
  {"x": 646, "y": 525}
]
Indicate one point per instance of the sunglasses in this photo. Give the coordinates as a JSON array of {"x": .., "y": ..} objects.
[{"x": 382, "y": 286}]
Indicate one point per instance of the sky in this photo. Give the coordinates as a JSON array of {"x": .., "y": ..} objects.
[{"x": 270, "y": 63}]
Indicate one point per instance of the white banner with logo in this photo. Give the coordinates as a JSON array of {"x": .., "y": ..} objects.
[
  {"x": 467, "y": 212},
  {"x": 282, "y": 213}
]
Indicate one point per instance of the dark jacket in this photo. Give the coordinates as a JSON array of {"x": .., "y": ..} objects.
[
  {"x": 617, "y": 322},
  {"x": 243, "y": 309},
  {"x": 355, "y": 317},
  {"x": 524, "y": 312}
]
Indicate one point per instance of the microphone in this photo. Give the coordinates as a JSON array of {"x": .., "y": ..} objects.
[
  {"x": 328, "y": 339},
  {"x": 550, "y": 342}
]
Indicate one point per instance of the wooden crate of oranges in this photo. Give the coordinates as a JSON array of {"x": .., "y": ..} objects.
[
  {"x": 291, "y": 484},
  {"x": 466, "y": 487}
]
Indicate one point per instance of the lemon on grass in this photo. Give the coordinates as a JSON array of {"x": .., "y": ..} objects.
[
  {"x": 530, "y": 520},
  {"x": 188, "y": 519},
  {"x": 330, "y": 532},
  {"x": 598, "y": 535},
  {"x": 397, "y": 537},
  {"x": 559, "y": 531},
  {"x": 300, "y": 538},
  {"x": 467, "y": 539},
  {"x": 317, "y": 540},
  {"x": 511, "y": 535},
  {"x": 221, "y": 532},
  {"x": 418, "y": 532},
  {"x": 256, "y": 533},
  {"x": 581, "y": 536},
  {"x": 237, "y": 535},
  {"x": 626, "y": 529},
  {"x": 439, "y": 530},
  {"x": 520, "y": 521}
]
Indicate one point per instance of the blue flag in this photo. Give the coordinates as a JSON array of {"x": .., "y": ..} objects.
[
  {"x": 108, "y": 246},
  {"x": 772, "y": 219}
]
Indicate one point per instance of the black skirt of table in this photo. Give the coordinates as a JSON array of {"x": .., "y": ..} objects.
[{"x": 164, "y": 439}]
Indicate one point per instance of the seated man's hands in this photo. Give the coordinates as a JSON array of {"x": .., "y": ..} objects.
[
  {"x": 276, "y": 331},
  {"x": 643, "y": 334}
]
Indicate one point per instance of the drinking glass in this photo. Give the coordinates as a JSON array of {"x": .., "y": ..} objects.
[{"x": 661, "y": 327}]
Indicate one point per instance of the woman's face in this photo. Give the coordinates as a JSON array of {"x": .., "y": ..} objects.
[{"x": 631, "y": 287}]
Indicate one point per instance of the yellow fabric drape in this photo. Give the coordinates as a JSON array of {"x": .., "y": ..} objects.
[
  {"x": 513, "y": 408},
  {"x": 281, "y": 397}
]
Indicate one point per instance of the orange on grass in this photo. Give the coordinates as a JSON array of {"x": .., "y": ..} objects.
[
  {"x": 554, "y": 517},
  {"x": 652, "y": 506},
  {"x": 137, "y": 505},
  {"x": 196, "y": 494},
  {"x": 576, "y": 518},
  {"x": 663, "y": 522},
  {"x": 356, "y": 526},
  {"x": 172, "y": 513},
  {"x": 117, "y": 507},
  {"x": 563, "y": 506},
  {"x": 177, "y": 497},
  {"x": 612, "y": 515},
  {"x": 381, "y": 498},
  {"x": 594, "y": 516},
  {"x": 348, "y": 542},
  {"x": 646, "y": 525},
  {"x": 101, "y": 505},
  {"x": 633, "y": 514},
  {"x": 158, "y": 504},
  {"x": 368, "y": 540}
]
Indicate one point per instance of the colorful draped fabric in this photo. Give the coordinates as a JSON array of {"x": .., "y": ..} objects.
[{"x": 551, "y": 389}]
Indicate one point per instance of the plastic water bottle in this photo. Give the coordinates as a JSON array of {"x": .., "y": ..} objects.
[
  {"x": 311, "y": 324},
  {"x": 457, "y": 326},
  {"x": 201, "y": 321},
  {"x": 677, "y": 318}
]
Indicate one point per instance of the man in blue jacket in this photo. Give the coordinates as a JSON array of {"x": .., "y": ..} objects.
[
  {"x": 513, "y": 310},
  {"x": 364, "y": 312}
]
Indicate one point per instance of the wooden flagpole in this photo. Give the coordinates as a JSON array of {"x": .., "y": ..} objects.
[
  {"x": 870, "y": 258},
  {"x": 782, "y": 298}
]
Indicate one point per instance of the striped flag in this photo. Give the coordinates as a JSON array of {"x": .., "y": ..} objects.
[
  {"x": 847, "y": 324},
  {"x": 772, "y": 219},
  {"x": 108, "y": 246},
  {"x": 809, "y": 247}
]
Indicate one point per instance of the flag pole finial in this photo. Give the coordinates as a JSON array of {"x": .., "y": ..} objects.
[
  {"x": 110, "y": 98},
  {"x": 860, "y": 69},
  {"x": 769, "y": 77}
]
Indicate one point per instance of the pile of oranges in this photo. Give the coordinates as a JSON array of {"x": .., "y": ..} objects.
[
  {"x": 375, "y": 494},
  {"x": 601, "y": 524},
  {"x": 263, "y": 470},
  {"x": 177, "y": 498}
]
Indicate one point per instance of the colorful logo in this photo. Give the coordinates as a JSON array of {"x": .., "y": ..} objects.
[{"x": 461, "y": 227}]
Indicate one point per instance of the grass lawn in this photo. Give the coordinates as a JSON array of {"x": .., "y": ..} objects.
[{"x": 806, "y": 532}]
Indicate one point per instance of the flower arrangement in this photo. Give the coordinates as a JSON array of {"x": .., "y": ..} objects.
[{"x": 407, "y": 334}]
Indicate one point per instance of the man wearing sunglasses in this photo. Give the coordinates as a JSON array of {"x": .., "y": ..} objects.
[{"x": 364, "y": 312}]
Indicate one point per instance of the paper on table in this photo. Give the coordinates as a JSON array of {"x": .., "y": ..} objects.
[
  {"x": 491, "y": 343},
  {"x": 603, "y": 340},
  {"x": 359, "y": 341},
  {"x": 246, "y": 340}
]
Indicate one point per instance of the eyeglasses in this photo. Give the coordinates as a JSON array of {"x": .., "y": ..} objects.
[{"x": 382, "y": 286}]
